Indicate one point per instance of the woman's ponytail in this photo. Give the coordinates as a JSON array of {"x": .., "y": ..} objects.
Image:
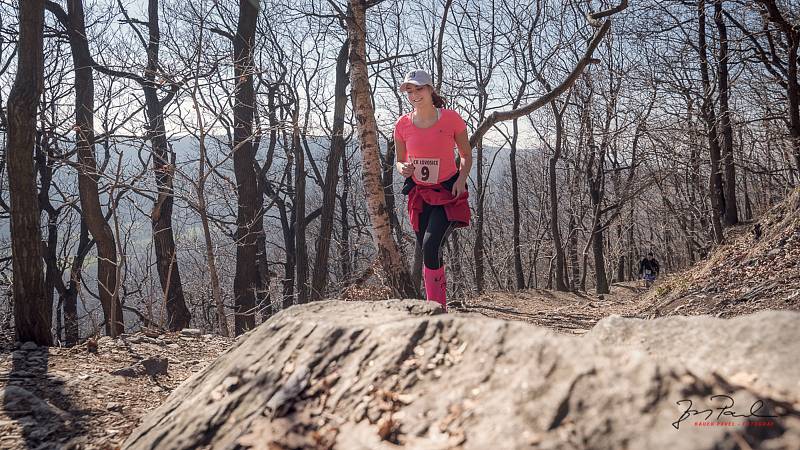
[{"x": 438, "y": 100}]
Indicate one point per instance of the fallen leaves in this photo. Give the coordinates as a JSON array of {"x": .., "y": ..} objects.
[{"x": 100, "y": 409}]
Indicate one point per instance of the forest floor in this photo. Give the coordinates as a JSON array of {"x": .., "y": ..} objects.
[{"x": 70, "y": 398}]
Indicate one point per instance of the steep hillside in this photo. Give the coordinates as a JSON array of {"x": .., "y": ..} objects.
[{"x": 758, "y": 268}]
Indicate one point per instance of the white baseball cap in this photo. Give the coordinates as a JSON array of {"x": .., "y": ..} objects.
[{"x": 416, "y": 77}]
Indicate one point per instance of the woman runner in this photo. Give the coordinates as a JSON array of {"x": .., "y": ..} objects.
[{"x": 425, "y": 140}]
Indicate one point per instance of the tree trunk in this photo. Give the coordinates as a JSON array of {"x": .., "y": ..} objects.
[
  {"x": 596, "y": 178},
  {"x": 748, "y": 206},
  {"x": 387, "y": 251},
  {"x": 793, "y": 94},
  {"x": 69, "y": 302},
  {"x": 67, "y": 294},
  {"x": 266, "y": 306},
  {"x": 715, "y": 182},
  {"x": 216, "y": 291},
  {"x": 558, "y": 247},
  {"x": 599, "y": 255},
  {"x": 345, "y": 258},
  {"x": 32, "y": 305},
  {"x": 245, "y": 280},
  {"x": 731, "y": 211},
  {"x": 792, "y": 37},
  {"x": 178, "y": 315},
  {"x": 202, "y": 210},
  {"x": 299, "y": 213},
  {"x": 322, "y": 261},
  {"x": 52, "y": 274},
  {"x": 477, "y": 250},
  {"x": 264, "y": 303},
  {"x": 69, "y": 297},
  {"x": 53, "y": 282},
  {"x": 573, "y": 253},
  {"x": 631, "y": 269},
  {"x": 519, "y": 275},
  {"x": 88, "y": 176},
  {"x": 387, "y": 178},
  {"x": 263, "y": 295},
  {"x": 620, "y": 276},
  {"x": 695, "y": 185},
  {"x": 459, "y": 281},
  {"x": 289, "y": 240},
  {"x": 416, "y": 265}
]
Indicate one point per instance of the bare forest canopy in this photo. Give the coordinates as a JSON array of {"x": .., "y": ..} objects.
[{"x": 174, "y": 163}]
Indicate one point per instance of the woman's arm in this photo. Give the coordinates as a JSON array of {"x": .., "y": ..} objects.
[
  {"x": 405, "y": 169},
  {"x": 465, "y": 153}
]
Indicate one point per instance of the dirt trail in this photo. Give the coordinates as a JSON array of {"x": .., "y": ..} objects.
[{"x": 566, "y": 312}]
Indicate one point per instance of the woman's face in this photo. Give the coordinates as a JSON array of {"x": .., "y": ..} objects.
[{"x": 419, "y": 95}]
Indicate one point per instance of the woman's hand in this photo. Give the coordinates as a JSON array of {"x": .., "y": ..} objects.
[
  {"x": 459, "y": 187},
  {"x": 405, "y": 169}
]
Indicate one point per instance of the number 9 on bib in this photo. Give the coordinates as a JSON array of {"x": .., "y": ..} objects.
[{"x": 426, "y": 170}]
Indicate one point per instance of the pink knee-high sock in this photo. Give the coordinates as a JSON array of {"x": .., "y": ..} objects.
[{"x": 435, "y": 285}]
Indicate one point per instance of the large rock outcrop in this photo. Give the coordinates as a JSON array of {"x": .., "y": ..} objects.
[{"x": 375, "y": 375}]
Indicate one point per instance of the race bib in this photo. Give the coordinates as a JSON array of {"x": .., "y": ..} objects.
[
  {"x": 426, "y": 170},
  {"x": 647, "y": 272}
]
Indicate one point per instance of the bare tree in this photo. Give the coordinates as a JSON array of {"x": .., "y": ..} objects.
[
  {"x": 164, "y": 168},
  {"x": 151, "y": 81},
  {"x": 555, "y": 232},
  {"x": 322, "y": 261},
  {"x": 244, "y": 284},
  {"x": 791, "y": 33},
  {"x": 202, "y": 207},
  {"x": 726, "y": 132},
  {"x": 32, "y": 305},
  {"x": 389, "y": 257},
  {"x": 716, "y": 184},
  {"x": 88, "y": 172}
]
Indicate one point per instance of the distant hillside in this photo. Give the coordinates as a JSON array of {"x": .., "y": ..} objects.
[{"x": 758, "y": 268}]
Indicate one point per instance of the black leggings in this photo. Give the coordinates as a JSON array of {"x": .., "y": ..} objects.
[{"x": 434, "y": 228}]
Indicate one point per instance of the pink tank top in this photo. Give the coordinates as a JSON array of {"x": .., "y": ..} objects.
[{"x": 431, "y": 150}]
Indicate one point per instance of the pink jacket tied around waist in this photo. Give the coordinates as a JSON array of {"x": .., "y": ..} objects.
[{"x": 456, "y": 208}]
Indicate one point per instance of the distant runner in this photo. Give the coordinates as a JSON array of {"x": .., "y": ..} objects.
[
  {"x": 648, "y": 270},
  {"x": 425, "y": 140}
]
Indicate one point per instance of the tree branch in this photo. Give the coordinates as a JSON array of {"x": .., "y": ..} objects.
[
  {"x": 594, "y": 18},
  {"x": 500, "y": 116}
]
